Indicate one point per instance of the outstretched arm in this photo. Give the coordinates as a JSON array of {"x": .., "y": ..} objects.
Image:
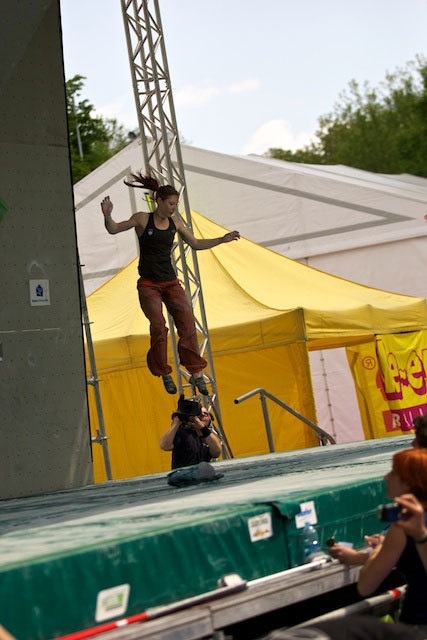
[
  {"x": 203, "y": 243},
  {"x": 381, "y": 561},
  {"x": 348, "y": 556},
  {"x": 112, "y": 226}
]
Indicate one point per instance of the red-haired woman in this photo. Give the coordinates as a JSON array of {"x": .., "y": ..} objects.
[
  {"x": 408, "y": 476},
  {"x": 158, "y": 283}
]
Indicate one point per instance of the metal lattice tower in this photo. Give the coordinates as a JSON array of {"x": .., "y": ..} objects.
[{"x": 162, "y": 159}]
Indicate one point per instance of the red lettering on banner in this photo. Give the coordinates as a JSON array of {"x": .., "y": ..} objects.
[
  {"x": 391, "y": 421},
  {"x": 393, "y": 380},
  {"x": 402, "y": 419},
  {"x": 416, "y": 373},
  {"x": 380, "y": 384}
]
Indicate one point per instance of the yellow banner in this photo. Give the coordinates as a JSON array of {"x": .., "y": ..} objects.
[{"x": 390, "y": 379}]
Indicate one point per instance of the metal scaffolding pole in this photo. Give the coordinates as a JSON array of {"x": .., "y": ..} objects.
[
  {"x": 162, "y": 158},
  {"x": 101, "y": 436}
]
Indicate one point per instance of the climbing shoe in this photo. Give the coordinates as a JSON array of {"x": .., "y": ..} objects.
[
  {"x": 170, "y": 385},
  {"x": 200, "y": 384}
]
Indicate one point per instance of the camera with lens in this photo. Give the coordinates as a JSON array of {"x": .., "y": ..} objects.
[
  {"x": 187, "y": 408},
  {"x": 389, "y": 512}
]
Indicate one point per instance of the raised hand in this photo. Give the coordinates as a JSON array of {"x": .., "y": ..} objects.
[
  {"x": 107, "y": 206},
  {"x": 231, "y": 235},
  {"x": 412, "y": 520}
]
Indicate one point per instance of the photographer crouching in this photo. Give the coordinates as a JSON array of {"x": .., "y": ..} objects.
[{"x": 190, "y": 437}]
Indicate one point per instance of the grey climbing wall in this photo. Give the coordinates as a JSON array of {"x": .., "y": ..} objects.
[{"x": 44, "y": 430}]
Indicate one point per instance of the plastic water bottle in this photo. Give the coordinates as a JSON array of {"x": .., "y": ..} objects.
[{"x": 311, "y": 547}]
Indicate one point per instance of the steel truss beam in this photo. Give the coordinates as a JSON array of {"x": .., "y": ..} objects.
[{"x": 162, "y": 159}]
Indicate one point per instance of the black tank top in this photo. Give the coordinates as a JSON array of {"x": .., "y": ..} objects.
[
  {"x": 155, "y": 247},
  {"x": 414, "y": 610}
]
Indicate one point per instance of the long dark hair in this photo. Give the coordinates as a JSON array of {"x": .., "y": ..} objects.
[
  {"x": 420, "y": 426},
  {"x": 139, "y": 181}
]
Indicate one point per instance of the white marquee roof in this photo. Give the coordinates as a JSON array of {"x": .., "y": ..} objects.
[{"x": 298, "y": 210}]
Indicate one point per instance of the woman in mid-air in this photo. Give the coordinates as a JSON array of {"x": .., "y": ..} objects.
[{"x": 158, "y": 283}]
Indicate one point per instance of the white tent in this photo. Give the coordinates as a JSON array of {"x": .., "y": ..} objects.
[{"x": 365, "y": 227}]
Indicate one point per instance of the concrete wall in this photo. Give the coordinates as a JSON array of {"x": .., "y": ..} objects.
[{"x": 44, "y": 430}]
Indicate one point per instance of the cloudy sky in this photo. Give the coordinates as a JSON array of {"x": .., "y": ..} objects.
[{"x": 246, "y": 75}]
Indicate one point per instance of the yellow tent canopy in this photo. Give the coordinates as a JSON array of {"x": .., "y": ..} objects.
[{"x": 263, "y": 311}]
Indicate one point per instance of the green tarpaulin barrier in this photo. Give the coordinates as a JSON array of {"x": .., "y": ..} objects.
[{"x": 158, "y": 544}]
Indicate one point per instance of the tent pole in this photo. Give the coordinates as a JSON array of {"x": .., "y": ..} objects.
[{"x": 326, "y": 388}]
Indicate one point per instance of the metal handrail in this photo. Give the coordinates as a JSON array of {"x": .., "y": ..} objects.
[
  {"x": 324, "y": 436},
  {"x": 378, "y": 605}
]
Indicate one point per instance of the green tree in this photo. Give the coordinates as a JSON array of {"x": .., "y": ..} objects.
[
  {"x": 382, "y": 130},
  {"x": 92, "y": 139},
  {"x": 309, "y": 154}
]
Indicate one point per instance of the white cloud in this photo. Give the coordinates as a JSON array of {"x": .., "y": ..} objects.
[
  {"x": 124, "y": 113},
  {"x": 198, "y": 95},
  {"x": 246, "y": 86},
  {"x": 111, "y": 110},
  {"x": 278, "y": 134},
  {"x": 195, "y": 96}
]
